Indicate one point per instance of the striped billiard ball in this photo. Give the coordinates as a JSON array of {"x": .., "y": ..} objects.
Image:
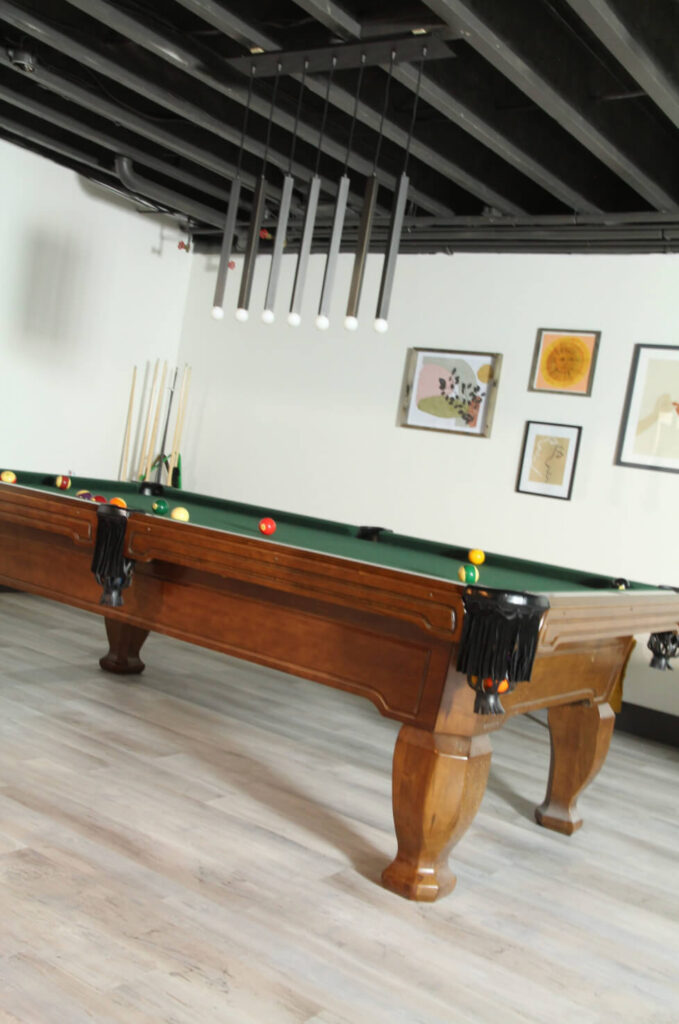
[{"x": 63, "y": 482}]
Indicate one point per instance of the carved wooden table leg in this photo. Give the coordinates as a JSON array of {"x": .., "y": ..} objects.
[
  {"x": 438, "y": 784},
  {"x": 580, "y": 735},
  {"x": 125, "y": 642}
]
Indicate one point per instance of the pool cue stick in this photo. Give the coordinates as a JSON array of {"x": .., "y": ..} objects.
[
  {"x": 175, "y": 454},
  {"x": 161, "y": 457},
  {"x": 147, "y": 427},
  {"x": 128, "y": 429},
  {"x": 180, "y": 406},
  {"x": 156, "y": 419}
]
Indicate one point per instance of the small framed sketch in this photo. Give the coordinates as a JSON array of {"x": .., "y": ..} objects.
[
  {"x": 548, "y": 458},
  {"x": 649, "y": 432},
  {"x": 450, "y": 390},
  {"x": 564, "y": 361}
]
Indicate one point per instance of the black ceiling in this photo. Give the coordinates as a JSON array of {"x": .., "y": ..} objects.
[{"x": 541, "y": 125}]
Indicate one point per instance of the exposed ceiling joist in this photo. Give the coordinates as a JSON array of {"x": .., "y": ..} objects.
[
  {"x": 507, "y": 58},
  {"x": 542, "y": 125}
]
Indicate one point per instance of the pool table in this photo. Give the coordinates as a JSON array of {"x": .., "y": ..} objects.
[{"x": 361, "y": 609}]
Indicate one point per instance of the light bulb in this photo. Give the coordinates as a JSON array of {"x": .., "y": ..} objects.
[
  {"x": 294, "y": 319},
  {"x": 380, "y": 325},
  {"x": 217, "y": 313},
  {"x": 242, "y": 314},
  {"x": 322, "y": 322},
  {"x": 268, "y": 316},
  {"x": 351, "y": 323}
]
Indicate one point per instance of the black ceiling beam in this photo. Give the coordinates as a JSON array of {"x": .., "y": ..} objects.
[
  {"x": 52, "y": 145},
  {"x": 465, "y": 16},
  {"x": 110, "y": 141},
  {"x": 52, "y": 37},
  {"x": 483, "y": 131},
  {"x": 334, "y": 17},
  {"x": 603, "y": 20},
  {"x": 457, "y": 112},
  {"x": 250, "y": 35},
  {"x": 202, "y": 65},
  {"x": 119, "y": 115}
]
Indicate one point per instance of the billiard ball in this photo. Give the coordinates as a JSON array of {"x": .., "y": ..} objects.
[
  {"x": 180, "y": 513},
  {"x": 119, "y": 502},
  {"x": 267, "y": 526},
  {"x": 468, "y": 574},
  {"x": 63, "y": 482},
  {"x": 476, "y": 556},
  {"x": 100, "y": 498},
  {"x": 502, "y": 686},
  {"x": 8, "y": 477},
  {"x": 160, "y": 507},
  {"x": 85, "y": 495}
]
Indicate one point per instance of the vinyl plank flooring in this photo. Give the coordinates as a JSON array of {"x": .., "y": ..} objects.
[{"x": 203, "y": 845}]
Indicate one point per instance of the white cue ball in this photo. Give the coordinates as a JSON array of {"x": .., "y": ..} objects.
[
  {"x": 351, "y": 323},
  {"x": 268, "y": 316},
  {"x": 322, "y": 322},
  {"x": 294, "y": 319},
  {"x": 381, "y": 326},
  {"x": 242, "y": 315},
  {"x": 217, "y": 313}
]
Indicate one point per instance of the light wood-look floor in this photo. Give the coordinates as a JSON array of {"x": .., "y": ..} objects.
[{"x": 202, "y": 846}]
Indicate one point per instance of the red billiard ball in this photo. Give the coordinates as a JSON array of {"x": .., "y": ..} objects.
[
  {"x": 101, "y": 499},
  {"x": 63, "y": 482},
  {"x": 267, "y": 526}
]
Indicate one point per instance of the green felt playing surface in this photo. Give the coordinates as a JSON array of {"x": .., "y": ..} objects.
[{"x": 395, "y": 551}]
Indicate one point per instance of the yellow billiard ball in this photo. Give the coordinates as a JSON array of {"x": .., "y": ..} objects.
[
  {"x": 180, "y": 513},
  {"x": 63, "y": 482},
  {"x": 476, "y": 556},
  {"x": 8, "y": 477},
  {"x": 120, "y": 502}
]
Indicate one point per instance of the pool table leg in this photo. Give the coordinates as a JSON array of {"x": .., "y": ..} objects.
[
  {"x": 438, "y": 783},
  {"x": 125, "y": 642},
  {"x": 580, "y": 736}
]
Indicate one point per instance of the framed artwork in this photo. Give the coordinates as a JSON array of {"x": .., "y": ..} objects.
[
  {"x": 548, "y": 458},
  {"x": 450, "y": 390},
  {"x": 564, "y": 361},
  {"x": 649, "y": 431}
]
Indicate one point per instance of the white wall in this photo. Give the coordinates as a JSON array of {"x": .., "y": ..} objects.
[
  {"x": 88, "y": 289},
  {"x": 306, "y": 421}
]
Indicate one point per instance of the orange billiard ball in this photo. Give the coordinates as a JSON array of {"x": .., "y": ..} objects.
[
  {"x": 477, "y": 556},
  {"x": 267, "y": 526},
  {"x": 120, "y": 502},
  {"x": 63, "y": 482},
  {"x": 8, "y": 477}
]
